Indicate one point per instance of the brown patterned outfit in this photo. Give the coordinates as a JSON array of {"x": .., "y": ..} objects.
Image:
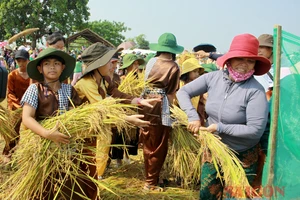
[
  {"x": 48, "y": 105},
  {"x": 164, "y": 75}
]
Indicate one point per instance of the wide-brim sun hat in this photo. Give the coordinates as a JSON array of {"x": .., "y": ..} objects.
[
  {"x": 205, "y": 47},
  {"x": 34, "y": 73},
  {"x": 167, "y": 43},
  {"x": 97, "y": 55},
  {"x": 129, "y": 59},
  {"x": 266, "y": 40},
  {"x": 246, "y": 46},
  {"x": 190, "y": 65}
]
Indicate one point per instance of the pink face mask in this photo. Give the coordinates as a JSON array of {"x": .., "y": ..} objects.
[{"x": 238, "y": 77}]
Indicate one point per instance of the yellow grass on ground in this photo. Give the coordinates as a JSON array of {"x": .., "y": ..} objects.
[{"x": 127, "y": 182}]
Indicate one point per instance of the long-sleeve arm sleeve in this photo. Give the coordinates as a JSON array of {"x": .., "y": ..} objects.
[
  {"x": 12, "y": 101},
  {"x": 188, "y": 91},
  {"x": 214, "y": 56},
  {"x": 76, "y": 100},
  {"x": 114, "y": 92},
  {"x": 256, "y": 115}
]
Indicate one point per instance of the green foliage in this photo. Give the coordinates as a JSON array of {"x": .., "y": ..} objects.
[
  {"x": 141, "y": 42},
  {"x": 64, "y": 15},
  {"x": 110, "y": 31}
]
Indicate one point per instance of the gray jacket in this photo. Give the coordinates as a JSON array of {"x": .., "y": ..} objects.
[{"x": 239, "y": 109}]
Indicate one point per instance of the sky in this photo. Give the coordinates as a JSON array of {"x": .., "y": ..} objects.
[{"x": 199, "y": 21}]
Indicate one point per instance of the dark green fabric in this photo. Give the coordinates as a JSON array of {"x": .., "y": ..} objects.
[
  {"x": 167, "y": 43},
  {"x": 286, "y": 163},
  {"x": 34, "y": 73}
]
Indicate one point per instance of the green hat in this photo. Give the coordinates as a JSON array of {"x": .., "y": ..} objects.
[
  {"x": 167, "y": 43},
  {"x": 128, "y": 59},
  {"x": 34, "y": 73},
  {"x": 209, "y": 67},
  {"x": 97, "y": 55}
]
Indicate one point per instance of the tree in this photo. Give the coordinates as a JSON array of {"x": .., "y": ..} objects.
[
  {"x": 110, "y": 31},
  {"x": 141, "y": 42},
  {"x": 64, "y": 15}
]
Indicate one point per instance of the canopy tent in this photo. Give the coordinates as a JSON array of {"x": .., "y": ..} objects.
[{"x": 88, "y": 35}]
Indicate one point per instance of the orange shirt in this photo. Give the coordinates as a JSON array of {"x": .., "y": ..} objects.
[{"x": 16, "y": 87}]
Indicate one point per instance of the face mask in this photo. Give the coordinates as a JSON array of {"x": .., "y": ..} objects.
[{"x": 238, "y": 77}]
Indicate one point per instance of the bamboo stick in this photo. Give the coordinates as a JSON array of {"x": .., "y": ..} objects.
[{"x": 275, "y": 105}]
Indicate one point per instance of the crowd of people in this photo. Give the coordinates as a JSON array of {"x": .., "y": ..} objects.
[{"x": 221, "y": 94}]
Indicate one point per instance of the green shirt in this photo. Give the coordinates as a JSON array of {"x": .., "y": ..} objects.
[{"x": 78, "y": 67}]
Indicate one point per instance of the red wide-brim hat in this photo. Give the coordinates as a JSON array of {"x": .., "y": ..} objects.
[{"x": 246, "y": 46}]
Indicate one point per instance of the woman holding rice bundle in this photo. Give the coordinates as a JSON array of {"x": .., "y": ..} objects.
[
  {"x": 95, "y": 85},
  {"x": 237, "y": 109},
  {"x": 162, "y": 73}
]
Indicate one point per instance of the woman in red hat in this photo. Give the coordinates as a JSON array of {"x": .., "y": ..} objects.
[{"x": 237, "y": 108}]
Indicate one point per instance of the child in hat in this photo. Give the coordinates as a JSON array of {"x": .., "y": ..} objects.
[
  {"x": 49, "y": 95},
  {"x": 131, "y": 63},
  {"x": 95, "y": 85},
  {"x": 17, "y": 84},
  {"x": 191, "y": 69},
  {"x": 18, "y": 80}
]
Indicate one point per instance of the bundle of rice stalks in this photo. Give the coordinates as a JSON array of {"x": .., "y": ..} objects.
[
  {"x": 8, "y": 120},
  {"x": 132, "y": 84},
  {"x": 183, "y": 57},
  {"x": 39, "y": 163},
  {"x": 183, "y": 151},
  {"x": 226, "y": 163}
]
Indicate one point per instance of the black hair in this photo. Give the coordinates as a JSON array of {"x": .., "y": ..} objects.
[
  {"x": 184, "y": 77},
  {"x": 52, "y": 57},
  {"x": 160, "y": 52},
  {"x": 54, "y": 37}
]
